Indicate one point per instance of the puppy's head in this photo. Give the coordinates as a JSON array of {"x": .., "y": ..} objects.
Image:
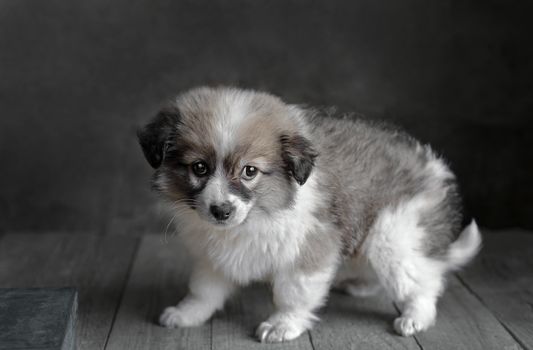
[{"x": 228, "y": 153}]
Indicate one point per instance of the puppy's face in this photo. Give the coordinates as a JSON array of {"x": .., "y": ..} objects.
[{"x": 227, "y": 153}]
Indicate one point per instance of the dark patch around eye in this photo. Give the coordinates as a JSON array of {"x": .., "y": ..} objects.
[
  {"x": 179, "y": 177},
  {"x": 178, "y": 171},
  {"x": 175, "y": 154},
  {"x": 236, "y": 187},
  {"x": 193, "y": 191}
]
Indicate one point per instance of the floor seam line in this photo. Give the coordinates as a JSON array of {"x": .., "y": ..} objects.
[
  {"x": 311, "y": 339},
  {"x": 478, "y": 297},
  {"x": 123, "y": 290},
  {"x": 211, "y": 332}
]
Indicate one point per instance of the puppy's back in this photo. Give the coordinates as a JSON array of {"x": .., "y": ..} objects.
[{"x": 369, "y": 166}]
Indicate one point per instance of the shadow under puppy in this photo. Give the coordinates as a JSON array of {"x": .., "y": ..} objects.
[{"x": 263, "y": 190}]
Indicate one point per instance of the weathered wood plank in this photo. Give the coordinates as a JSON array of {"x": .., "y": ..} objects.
[
  {"x": 158, "y": 279},
  {"x": 38, "y": 318},
  {"x": 514, "y": 309},
  {"x": 502, "y": 278},
  {"x": 97, "y": 266},
  {"x": 463, "y": 322},
  {"x": 358, "y": 323},
  {"x": 505, "y": 262},
  {"x": 234, "y": 327}
]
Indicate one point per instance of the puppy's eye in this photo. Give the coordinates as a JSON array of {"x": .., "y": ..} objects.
[
  {"x": 249, "y": 172},
  {"x": 199, "y": 168}
]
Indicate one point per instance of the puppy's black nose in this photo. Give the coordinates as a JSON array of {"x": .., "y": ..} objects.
[{"x": 222, "y": 211}]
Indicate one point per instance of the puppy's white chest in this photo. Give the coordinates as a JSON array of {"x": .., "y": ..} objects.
[
  {"x": 261, "y": 246},
  {"x": 254, "y": 251}
]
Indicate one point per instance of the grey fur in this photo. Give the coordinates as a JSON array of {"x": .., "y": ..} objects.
[
  {"x": 363, "y": 167},
  {"x": 330, "y": 196},
  {"x": 368, "y": 166}
]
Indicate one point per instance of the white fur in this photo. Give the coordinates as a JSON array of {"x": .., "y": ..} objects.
[
  {"x": 414, "y": 280},
  {"x": 262, "y": 248},
  {"x": 230, "y": 113},
  {"x": 259, "y": 246},
  {"x": 215, "y": 193},
  {"x": 208, "y": 290},
  {"x": 265, "y": 248},
  {"x": 296, "y": 296},
  {"x": 465, "y": 247},
  {"x": 253, "y": 245}
]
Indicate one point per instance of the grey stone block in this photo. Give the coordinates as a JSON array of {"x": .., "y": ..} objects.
[{"x": 38, "y": 318}]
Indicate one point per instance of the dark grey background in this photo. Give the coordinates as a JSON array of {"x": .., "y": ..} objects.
[{"x": 77, "y": 77}]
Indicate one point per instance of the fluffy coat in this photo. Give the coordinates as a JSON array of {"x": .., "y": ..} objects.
[{"x": 308, "y": 200}]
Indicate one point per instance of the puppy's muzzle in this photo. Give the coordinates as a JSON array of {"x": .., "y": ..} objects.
[{"x": 223, "y": 211}]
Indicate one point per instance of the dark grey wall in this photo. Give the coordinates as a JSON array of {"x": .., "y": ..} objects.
[{"x": 76, "y": 77}]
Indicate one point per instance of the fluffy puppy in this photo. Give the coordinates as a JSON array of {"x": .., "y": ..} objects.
[{"x": 303, "y": 199}]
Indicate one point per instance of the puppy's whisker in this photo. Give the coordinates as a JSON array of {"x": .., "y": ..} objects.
[
  {"x": 185, "y": 201},
  {"x": 166, "y": 229},
  {"x": 179, "y": 212}
]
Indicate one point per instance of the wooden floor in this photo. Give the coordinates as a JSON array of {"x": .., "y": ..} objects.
[{"x": 124, "y": 282}]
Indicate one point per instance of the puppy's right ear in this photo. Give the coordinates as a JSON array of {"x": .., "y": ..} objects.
[{"x": 154, "y": 136}]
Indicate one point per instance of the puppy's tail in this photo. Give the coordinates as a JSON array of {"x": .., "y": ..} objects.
[{"x": 465, "y": 247}]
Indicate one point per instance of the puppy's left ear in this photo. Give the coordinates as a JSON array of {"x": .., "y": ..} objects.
[
  {"x": 299, "y": 156},
  {"x": 154, "y": 136}
]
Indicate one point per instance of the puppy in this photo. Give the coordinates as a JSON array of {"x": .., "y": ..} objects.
[{"x": 266, "y": 191}]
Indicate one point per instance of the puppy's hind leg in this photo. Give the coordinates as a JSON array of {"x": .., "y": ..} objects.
[
  {"x": 415, "y": 285},
  {"x": 419, "y": 312},
  {"x": 419, "y": 301},
  {"x": 413, "y": 280}
]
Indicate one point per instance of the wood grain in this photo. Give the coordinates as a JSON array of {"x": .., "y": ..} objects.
[
  {"x": 96, "y": 266},
  {"x": 124, "y": 284},
  {"x": 234, "y": 328},
  {"x": 158, "y": 279},
  {"x": 358, "y": 323},
  {"x": 502, "y": 279},
  {"x": 470, "y": 323}
]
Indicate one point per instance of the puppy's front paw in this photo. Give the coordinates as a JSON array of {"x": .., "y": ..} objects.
[
  {"x": 407, "y": 326},
  {"x": 277, "y": 332},
  {"x": 190, "y": 312},
  {"x": 172, "y": 317}
]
